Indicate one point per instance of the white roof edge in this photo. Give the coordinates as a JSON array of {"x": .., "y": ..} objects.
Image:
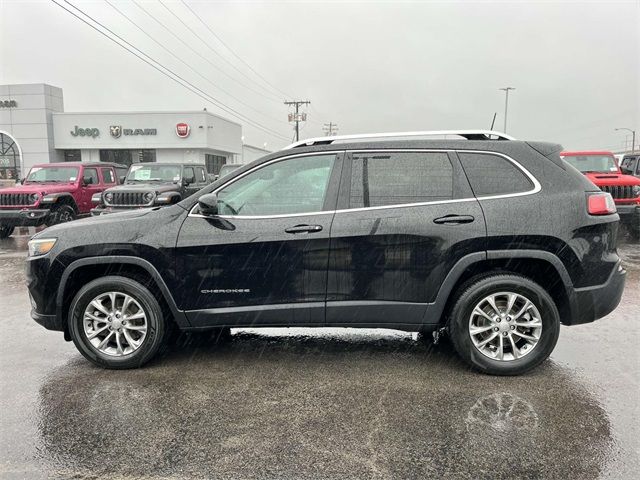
[{"x": 311, "y": 141}]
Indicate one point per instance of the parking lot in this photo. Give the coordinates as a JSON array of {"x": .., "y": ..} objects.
[{"x": 302, "y": 403}]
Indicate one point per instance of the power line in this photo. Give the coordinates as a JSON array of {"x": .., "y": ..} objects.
[
  {"x": 211, "y": 48},
  {"x": 156, "y": 65},
  {"x": 200, "y": 55},
  {"x": 232, "y": 52},
  {"x": 190, "y": 67}
]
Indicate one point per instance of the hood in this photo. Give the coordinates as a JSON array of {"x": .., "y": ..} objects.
[
  {"x": 612, "y": 179},
  {"x": 98, "y": 221},
  {"x": 40, "y": 188},
  {"x": 146, "y": 187}
]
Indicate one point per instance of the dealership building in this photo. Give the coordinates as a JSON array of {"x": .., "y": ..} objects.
[{"x": 34, "y": 128}]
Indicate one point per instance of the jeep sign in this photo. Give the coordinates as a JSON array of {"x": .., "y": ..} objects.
[
  {"x": 85, "y": 132},
  {"x": 8, "y": 103}
]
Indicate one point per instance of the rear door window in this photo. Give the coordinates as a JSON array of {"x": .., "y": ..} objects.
[
  {"x": 398, "y": 178},
  {"x": 491, "y": 174},
  {"x": 107, "y": 175}
]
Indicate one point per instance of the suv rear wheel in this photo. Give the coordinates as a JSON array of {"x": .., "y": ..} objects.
[
  {"x": 504, "y": 324},
  {"x": 61, "y": 214},
  {"x": 116, "y": 322}
]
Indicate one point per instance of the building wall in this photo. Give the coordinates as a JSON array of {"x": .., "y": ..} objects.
[
  {"x": 207, "y": 131},
  {"x": 30, "y": 122},
  {"x": 251, "y": 153}
]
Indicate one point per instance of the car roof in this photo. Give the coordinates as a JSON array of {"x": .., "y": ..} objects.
[
  {"x": 171, "y": 164},
  {"x": 79, "y": 164},
  {"x": 587, "y": 152}
]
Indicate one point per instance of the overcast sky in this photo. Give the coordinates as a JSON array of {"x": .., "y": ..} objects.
[{"x": 368, "y": 66}]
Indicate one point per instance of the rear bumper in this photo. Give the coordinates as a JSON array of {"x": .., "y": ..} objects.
[
  {"x": 50, "y": 322},
  {"x": 592, "y": 303},
  {"x": 24, "y": 218}
]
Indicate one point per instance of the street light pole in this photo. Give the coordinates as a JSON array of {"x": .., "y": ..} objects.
[
  {"x": 633, "y": 137},
  {"x": 506, "y": 105}
]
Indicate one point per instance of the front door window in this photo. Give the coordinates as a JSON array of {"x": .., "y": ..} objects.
[{"x": 293, "y": 186}]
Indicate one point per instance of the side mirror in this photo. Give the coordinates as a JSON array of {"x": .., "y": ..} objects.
[
  {"x": 21, "y": 180},
  {"x": 86, "y": 181},
  {"x": 122, "y": 178},
  {"x": 189, "y": 180},
  {"x": 208, "y": 204}
]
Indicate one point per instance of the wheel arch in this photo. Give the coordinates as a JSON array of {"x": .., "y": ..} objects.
[
  {"x": 62, "y": 198},
  {"x": 542, "y": 267},
  {"x": 83, "y": 270}
]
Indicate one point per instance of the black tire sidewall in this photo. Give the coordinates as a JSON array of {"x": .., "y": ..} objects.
[
  {"x": 54, "y": 216},
  {"x": 6, "y": 231},
  {"x": 155, "y": 322},
  {"x": 476, "y": 291}
]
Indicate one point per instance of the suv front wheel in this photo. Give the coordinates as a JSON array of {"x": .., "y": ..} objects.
[
  {"x": 504, "y": 324},
  {"x": 116, "y": 322},
  {"x": 61, "y": 214}
]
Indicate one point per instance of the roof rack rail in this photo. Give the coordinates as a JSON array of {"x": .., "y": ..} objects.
[{"x": 468, "y": 134}]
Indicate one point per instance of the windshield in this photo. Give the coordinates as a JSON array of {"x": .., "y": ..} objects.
[
  {"x": 154, "y": 172},
  {"x": 52, "y": 174},
  {"x": 592, "y": 163},
  {"x": 226, "y": 169}
]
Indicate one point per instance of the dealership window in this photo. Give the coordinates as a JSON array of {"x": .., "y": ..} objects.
[
  {"x": 379, "y": 179},
  {"x": 72, "y": 156},
  {"x": 127, "y": 157},
  {"x": 214, "y": 163},
  {"x": 9, "y": 158}
]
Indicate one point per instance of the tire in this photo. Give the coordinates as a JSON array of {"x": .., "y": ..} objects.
[
  {"x": 134, "y": 354},
  {"x": 5, "y": 231},
  {"x": 543, "y": 316},
  {"x": 61, "y": 214}
]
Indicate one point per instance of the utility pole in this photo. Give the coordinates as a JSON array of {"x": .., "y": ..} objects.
[
  {"x": 330, "y": 128},
  {"x": 298, "y": 117},
  {"x": 506, "y": 105},
  {"x": 633, "y": 137}
]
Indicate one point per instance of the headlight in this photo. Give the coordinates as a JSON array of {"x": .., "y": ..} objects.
[
  {"x": 96, "y": 198},
  {"x": 108, "y": 196},
  {"x": 149, "y": 196},
  {"x": 636, "y": 191},
  {"x": 40, "y": 246},
  {"x": 34, "y": 197}
]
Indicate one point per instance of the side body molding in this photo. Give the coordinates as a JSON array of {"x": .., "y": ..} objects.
[{"x": 178, "y": 315}]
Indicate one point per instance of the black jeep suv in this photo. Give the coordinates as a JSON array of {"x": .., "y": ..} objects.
[
  {"x": 151, "y": 184},
  {"x": 494, "y": 241}
]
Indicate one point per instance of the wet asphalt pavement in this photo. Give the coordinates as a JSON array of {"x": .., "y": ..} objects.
[{"x": 303, "y": 403}]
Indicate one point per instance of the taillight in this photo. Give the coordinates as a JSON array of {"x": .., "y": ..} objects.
[{"x": 600, "y": 204}]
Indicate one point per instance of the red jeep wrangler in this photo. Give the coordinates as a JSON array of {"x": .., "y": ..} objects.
[
  {"x": 54, "y": 193},
  {"x": 603, "y": 170}
]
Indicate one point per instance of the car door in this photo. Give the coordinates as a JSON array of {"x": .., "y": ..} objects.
[
  {"x": 263, "y": 259},
  {"x": 189, "y": 175},
  {"x": 404, "y": 219},
  {"x": 89, "y": 184}
]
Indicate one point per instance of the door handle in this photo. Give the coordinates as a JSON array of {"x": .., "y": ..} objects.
[
  {"x": 453, "y": 219},
  {"x": 304, "y": 229}
]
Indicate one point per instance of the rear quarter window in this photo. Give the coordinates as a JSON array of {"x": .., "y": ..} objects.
[{"x": 491, "y": 174}]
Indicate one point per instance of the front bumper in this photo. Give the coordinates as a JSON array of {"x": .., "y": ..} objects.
[
  {"x": 628, "y": 209},
  {"x": 107, "y": 210},
  {"x": 592, "y": 303},
  {"x": 33, "y": 217}
]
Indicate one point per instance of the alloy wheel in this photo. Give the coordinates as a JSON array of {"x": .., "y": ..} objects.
[
  {"x": 505, "y": 326},
  {"x": 115, "y": 323}
]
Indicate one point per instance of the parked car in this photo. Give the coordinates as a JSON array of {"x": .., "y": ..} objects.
[
  {"x": 228, "y": 168},
  {"x": 152, "y": 184},
  {"x": 492, "y": 242},
  {"x": 630, "y": 165},
  {"x": 602, "y": 169},
  {"x": 53, "y": 193}
]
